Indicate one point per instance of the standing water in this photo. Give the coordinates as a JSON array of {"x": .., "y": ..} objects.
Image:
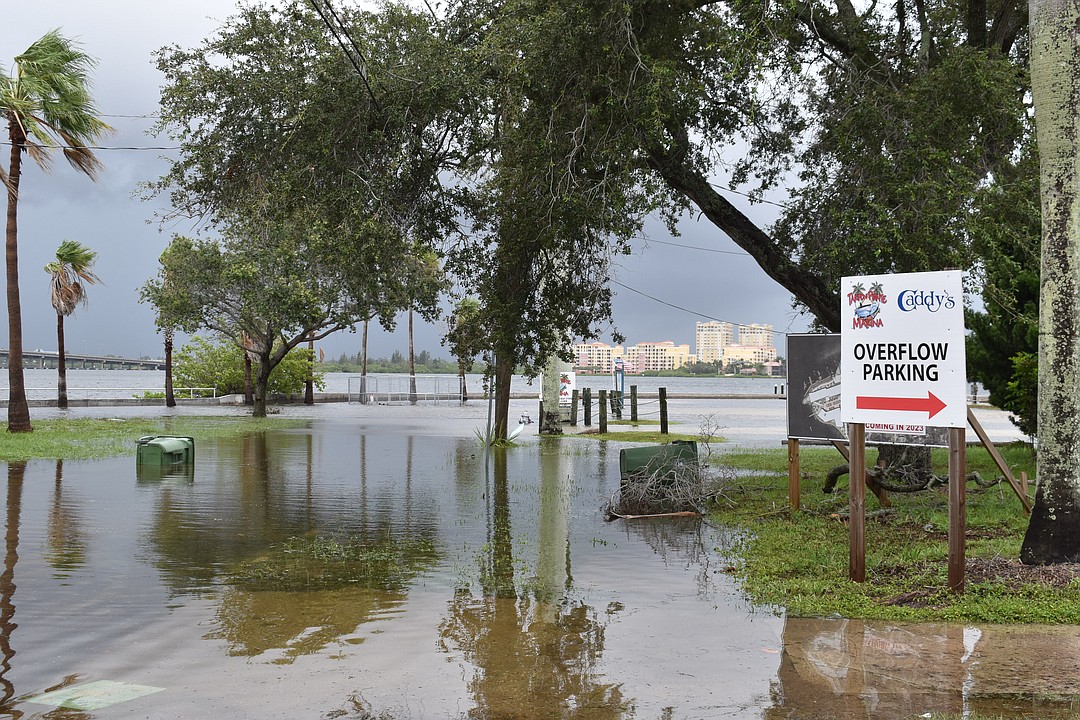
[{"x": 362, "y": 569}]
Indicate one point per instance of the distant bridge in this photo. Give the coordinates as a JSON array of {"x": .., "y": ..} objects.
[{"x": 42, "y": 359}]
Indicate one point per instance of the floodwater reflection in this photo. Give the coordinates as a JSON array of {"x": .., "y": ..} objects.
[
  {"x": 15, "y": 474},
  {"x": 393, "y": 572},
  {"x": 838, "y": 668},
  {"x": 535, "y": 652}
]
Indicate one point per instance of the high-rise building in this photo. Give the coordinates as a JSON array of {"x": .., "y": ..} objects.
[
  {"x": 748, "y": 354},
  {"x": 596, "y": 356},
  {"x": 757, "y": 336},
  {"x": 665, "y": 355},
  {"x": 710, "y": 339}
]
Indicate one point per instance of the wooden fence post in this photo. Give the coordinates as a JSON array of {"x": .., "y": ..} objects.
[
  {"x": 603, "y": 411},
  {"x": 663, "y": 412}
]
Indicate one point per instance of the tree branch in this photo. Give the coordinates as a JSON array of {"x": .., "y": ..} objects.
[{"x": 672, "y": 165}]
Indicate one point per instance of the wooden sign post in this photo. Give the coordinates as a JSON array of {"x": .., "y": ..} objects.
[{"x": 857, "y": 502}]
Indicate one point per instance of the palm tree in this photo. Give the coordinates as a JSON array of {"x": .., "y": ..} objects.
[
  {"x": 46, "y": 102},
  {"x": 71, "y": 274}
]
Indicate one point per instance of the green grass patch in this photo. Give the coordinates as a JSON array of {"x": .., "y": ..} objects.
[
  {"x": 80, "y": 439},
  {"x": 634, "y": 423},
  {"x": 642, "y": 436},
  {"x": 799, "y": 561},
  {"x": 327, "y": 563}
]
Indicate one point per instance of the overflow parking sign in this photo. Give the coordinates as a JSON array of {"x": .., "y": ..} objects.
[{"x": 902, "y": 359}]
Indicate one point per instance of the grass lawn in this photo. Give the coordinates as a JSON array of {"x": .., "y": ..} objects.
[
  {"x": 799, "y": 560},
  {"x": 97, "y": 438}
]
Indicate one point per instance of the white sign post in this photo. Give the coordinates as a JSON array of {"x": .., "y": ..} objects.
[
  {"x": 902, "y": 359},
  {"x": 902, "y": 367}
]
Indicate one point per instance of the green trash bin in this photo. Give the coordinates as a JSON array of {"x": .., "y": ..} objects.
[
  {"x": 656, "y": 459},
  {"x": 164, "y": 450}
]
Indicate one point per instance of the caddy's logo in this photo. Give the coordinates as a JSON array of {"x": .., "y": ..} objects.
[
  {"x": 866, "y": 305},
  {"x": 909, "y": 300}
]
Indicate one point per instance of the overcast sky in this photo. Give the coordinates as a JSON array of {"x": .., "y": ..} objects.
[{"x": 711, "y": 279}]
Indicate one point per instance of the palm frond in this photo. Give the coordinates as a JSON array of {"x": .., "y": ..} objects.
[
  {"x": 71, "y": 272},
  {"x": 48, "y": 98}
]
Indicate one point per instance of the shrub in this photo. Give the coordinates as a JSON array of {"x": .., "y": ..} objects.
[{"x": 201, "y": 363}]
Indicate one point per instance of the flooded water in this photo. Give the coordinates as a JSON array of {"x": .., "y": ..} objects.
[{"x": 360, "y": 569}]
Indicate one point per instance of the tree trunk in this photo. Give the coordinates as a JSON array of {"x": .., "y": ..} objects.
[
  {"x": 249, "y": 392},
  {"x": 504, "y": 372},
  {"x": 262, "y": 381},
  {"x": 1053, "y": 533},
  {"x": 363, "y": 365},
  {"x": 309, "y": 386},
  {"x": 550, "y": 421},
  {"x": 18, "y": 408},
  {"x": 170, "y": 396},
  {"x": 61, "y": 365},
  {"x": 909, "y": 461},
  {"x": 412, "y": 363}
]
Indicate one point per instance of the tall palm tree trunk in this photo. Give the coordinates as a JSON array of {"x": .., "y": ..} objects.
[
  {"x": 18, "y": 409},
  {"x": 1053, "y": 533},
  {"x": 363, "y": 366},
  {"x": 412, "y": 363},
  {"x": 61, "y": 364},
  {"x": 462, "y": 387}
]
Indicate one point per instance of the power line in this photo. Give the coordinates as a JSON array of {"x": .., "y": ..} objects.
[
  {"x": 686, "y": 310},
  {"x": 103, "y": 147},
  {"x": 752, "y": 198},
  {"x": 704, "y": 249},
  {"x": 345, "y": 40}
]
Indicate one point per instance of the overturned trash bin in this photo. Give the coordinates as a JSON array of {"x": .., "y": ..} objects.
[
  {"x": 164, "y": 450},
  {"x": 657, "y": 460},
  {"x": 658, "y": 479},
  {"x": 165, "y": 457}
]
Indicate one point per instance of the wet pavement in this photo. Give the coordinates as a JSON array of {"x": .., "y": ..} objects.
[{"x": 376, "y": 565}]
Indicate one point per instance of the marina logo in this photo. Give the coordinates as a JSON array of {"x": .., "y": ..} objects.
[{"x": 866, "y": 305}]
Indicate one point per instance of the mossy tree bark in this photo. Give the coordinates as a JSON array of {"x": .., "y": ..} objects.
[{"x": 1053, "y": 534}]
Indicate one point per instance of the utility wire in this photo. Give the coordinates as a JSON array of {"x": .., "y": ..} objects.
[
  {"x": 348, "y": 45},
  {"x": 687, "y": 310},
  {"x": 103, "y": 147},
  {"x": 695, "y": 247}
]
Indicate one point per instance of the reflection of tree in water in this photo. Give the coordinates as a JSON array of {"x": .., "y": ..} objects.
[
  {"x": 195, "y": 541},
  {"x": 66, "y": 538},
  {"x": 15, "y": 474},
  {"x": 287, "y": 625},
  {"x": 301, "y": 594},
  {"x": 536, "y": 654},
  {"x": 687, "y": 541}
]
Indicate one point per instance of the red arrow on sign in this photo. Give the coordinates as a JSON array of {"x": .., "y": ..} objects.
[{"x": 931, "y": 404}]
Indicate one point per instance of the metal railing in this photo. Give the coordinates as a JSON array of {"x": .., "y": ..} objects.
[
  {"x": 108, "y": 393},
  {"x": 397, "y": 390}
]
